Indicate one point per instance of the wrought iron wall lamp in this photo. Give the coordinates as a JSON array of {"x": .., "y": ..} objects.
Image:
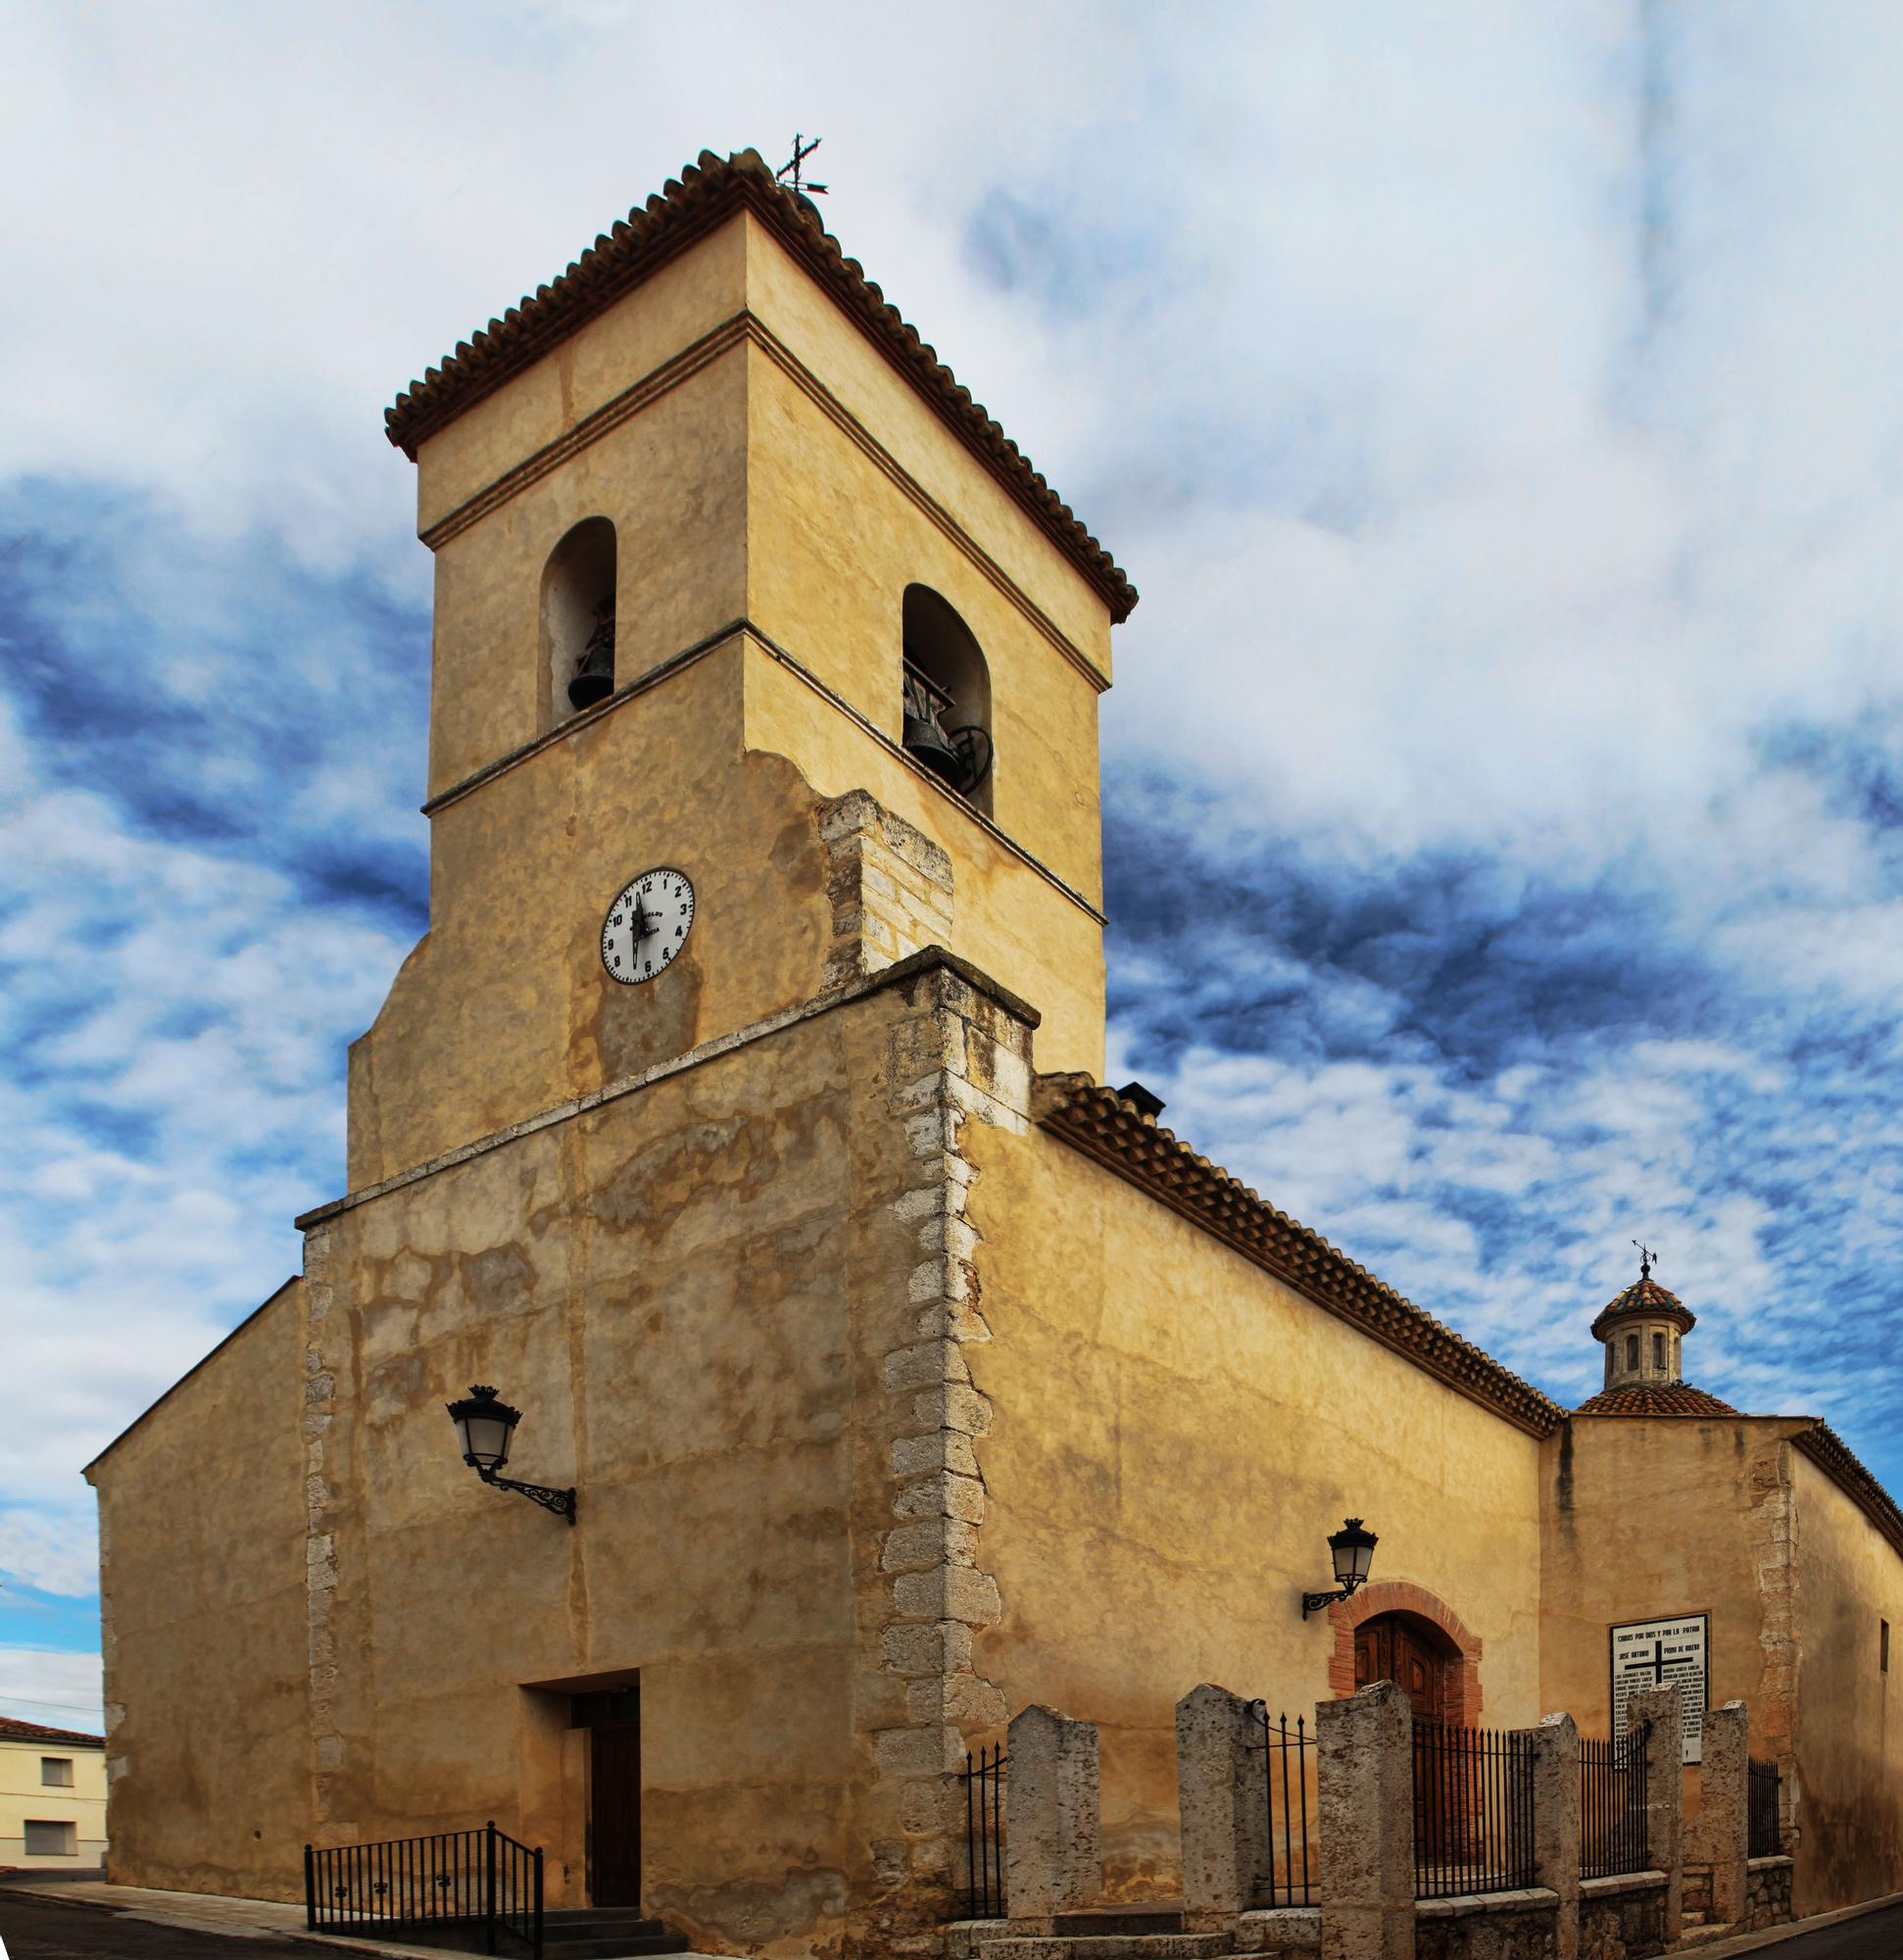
[
  {"x": 484, "y": 1427},
  {"x": 1354, "y": 1552}
]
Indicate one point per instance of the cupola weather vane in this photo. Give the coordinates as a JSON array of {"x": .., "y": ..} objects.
[{"x": 1647, "y": 1258}]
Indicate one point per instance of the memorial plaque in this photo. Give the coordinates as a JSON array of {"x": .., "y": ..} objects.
[{"x": 1656, "y": 1653}]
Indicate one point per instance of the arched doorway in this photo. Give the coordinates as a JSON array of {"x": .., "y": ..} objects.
[{"x": 1413, "y": 1652}]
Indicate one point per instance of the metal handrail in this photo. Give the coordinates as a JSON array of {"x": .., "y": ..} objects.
[{"x": 476, "y": 1879}]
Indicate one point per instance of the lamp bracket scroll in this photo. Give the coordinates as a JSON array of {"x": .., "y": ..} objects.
[
  {"x": 484, "y": 1428},
  {"x": 1352, "y": 1550}
]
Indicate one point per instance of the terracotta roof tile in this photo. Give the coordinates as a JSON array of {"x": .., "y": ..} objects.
[
  {"x": 1655, "y": 1398},
  {"x": 707, "y": 193},
  {"x": 1644, "y": 1297},
  {"x": 13, "y": 1730},
  {"x": 1115, "y": 1133},
  {"x": 1829, "y": 1450}
]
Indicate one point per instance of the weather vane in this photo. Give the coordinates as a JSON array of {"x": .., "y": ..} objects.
[
  {"x": 789, "y": 172},
  {"x": 1646, "y": 1259}
]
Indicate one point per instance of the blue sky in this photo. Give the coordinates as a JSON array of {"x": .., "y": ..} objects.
[{"x": 1505, "y": 779}]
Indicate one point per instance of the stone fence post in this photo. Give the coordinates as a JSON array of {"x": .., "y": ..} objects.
[
  {"x": 1365, "y": 1804},
  {"x": 1664, "y": 1793},
  {"x": 1220, "y": 1792},
  {"x": 1556, "y": 1824},
  {"x": 1053, "y": 1846},
  {"x": 1720, "y": 1836}
]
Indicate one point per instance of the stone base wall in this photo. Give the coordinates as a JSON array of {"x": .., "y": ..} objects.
[
  {"x": 1284, "y": 1928},
  {"x": 1622, "y": 1918},
  {"x": 1767, "y": 1896},
  {"x": 1496, "y": 1925},
  {"x": 1697, "y": 1890}
]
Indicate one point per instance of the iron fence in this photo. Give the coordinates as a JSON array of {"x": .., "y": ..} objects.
[
  {"x": 983, "y": 1778},
  {"x": 1288, "y": 1877},
  {"x": 1613, "y": 1837},
  {"x": 1473, "y": 1810},
  {"x": 1766, "y": 1837},
  {"x": 480, "y": 1880}
]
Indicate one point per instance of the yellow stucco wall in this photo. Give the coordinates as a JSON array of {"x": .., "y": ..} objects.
[
  {"x": 1642, "y": 1518},
  {"x": 670, "y": 1286},
  {"x": 1175, "y": 1436},
  {"x": 25, "y": 1794},
  {"x": 202, "y": 1549},
  {"x": 1848, "y": 1736}
]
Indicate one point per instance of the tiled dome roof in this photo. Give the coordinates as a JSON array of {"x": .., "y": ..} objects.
[
  {"x": 1654, "y": 1397},
  {"x": 1645, "y": 1296}
]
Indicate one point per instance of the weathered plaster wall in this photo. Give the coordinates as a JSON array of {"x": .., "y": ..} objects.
[
  {"x": 1008, "y": 917},
  {"x": 1173, "y": 1434},
  {"x": 1647, "y": 1517},
  {"x": 658, "y": 1283},
  {"x": 202, "y": 1583},
  {"x": 1847, "y": 1800},
  {"x": 505, "y": 1009}
]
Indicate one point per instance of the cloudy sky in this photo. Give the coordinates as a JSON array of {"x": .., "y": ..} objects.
[{"x": 1494, "y": 404}]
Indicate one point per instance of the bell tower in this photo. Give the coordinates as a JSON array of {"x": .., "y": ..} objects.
[{"x": 732, "y": 580}]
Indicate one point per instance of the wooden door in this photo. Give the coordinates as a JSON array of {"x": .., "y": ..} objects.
[
  {"x": 615, "y": 1812},
  {"x": 1391, "y": 1649}
]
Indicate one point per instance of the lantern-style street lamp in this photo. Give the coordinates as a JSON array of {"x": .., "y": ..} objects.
[
  {"x": 484, "y": 1427},
  {"x": 1352, "y": 1550}
]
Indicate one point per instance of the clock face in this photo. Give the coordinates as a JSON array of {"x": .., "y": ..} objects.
[{"x": 647, "y": 925}]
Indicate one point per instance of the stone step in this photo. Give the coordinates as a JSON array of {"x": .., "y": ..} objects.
[
  {"x": 1109, "y": 1946},
  {"x": 614, "y": 1946},
  {"x": 1120, "y": 1920},
  {"x": 608, "y": 1918}
]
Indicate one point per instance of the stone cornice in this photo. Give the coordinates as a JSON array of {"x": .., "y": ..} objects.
[
  {"x": 707, "y": 193},
  {"x": 905, "y": 974},
  {"x": 1113, "y": 1133},
  {"x": 686, "y": 657}
]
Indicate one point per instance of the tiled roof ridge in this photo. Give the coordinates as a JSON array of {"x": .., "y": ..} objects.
[
  {"x": 14, "y": 1730},
  {"x": 637, "y": 245},
  {"x": 1835, "y": 1459},
  {"x": 1655, "y": 1398},
  {"x": 1643, "y": 1297},
  {"x": 1102, "y": 1125}
]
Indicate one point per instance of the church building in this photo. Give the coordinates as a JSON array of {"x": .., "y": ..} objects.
[{"x": 844, "y": 1366}]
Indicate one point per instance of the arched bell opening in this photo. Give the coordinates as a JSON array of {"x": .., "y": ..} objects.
[
  {"x": 947, "y": 696},
  {"x": 578, "y": 620}
]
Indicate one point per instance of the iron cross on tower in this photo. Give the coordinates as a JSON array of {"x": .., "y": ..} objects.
[{"x": 789, "y": 172}]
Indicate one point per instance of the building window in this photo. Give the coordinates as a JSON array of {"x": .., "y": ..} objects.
[
  {"x": 51, "y": 1840},
  {"x": 578, "y": 620},
  {"x": 946, "y": 696},
  {"x": 1632, "y": 1353},
  {"x": 56, "y": 1771},
  {"x": 1658, "y": 1352},
  {"x": 1884, "y": 1646}
]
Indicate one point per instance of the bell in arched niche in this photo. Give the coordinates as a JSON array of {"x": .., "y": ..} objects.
[{"x": 595, "y": 671}]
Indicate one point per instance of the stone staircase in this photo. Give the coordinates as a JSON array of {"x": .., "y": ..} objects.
[
  {"x": 605, "y": 1933},
  {"x": 1124, "y": 1933}
]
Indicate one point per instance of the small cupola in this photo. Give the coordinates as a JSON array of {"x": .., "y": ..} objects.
[{"x": 1642, "y": 1331}]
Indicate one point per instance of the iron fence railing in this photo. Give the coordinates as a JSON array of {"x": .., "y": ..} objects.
[
  {"x": 1766, "y": 1837},
  {"x": 983, "y": 1778},
  {"x": 1613, "y": 1837},
  {"x": 481, "y": 1881},
  {"x": 1473, "y": 1810},
  {"x": 1290, "y": 1876}
]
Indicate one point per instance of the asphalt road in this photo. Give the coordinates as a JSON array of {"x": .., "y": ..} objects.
[
  {"x": 37, "y": 1929},
  {"x": 1877, "y": 1936}
]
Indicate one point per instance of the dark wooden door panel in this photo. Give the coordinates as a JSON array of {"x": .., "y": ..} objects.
[{"x": 614, "y": 1815}]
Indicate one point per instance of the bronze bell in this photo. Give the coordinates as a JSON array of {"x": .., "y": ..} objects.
[
  {"x": 595, "y": 671},
  {"x": 923, "y": 734}
]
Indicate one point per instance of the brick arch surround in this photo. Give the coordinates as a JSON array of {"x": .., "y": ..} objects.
[{"x": 1402, "y": 1595}]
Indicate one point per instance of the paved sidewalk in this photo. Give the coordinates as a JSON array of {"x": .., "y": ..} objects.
[
  {"x": 198, "y": 1912},
  {"x": 1872, "y": 1931}
]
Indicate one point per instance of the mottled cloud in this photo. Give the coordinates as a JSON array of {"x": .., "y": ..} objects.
[{"x": 1505, "y": 770}]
